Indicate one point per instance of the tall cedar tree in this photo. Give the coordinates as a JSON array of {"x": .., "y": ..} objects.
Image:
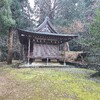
[
  {"x": 13, "y": 13},
  {"x": 6, "y": 24}
]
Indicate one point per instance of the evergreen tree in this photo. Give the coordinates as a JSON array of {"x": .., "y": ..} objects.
[
  {"x": 95, "y": 31},
  {"x": 14, "y": 13},
  {"x": 6, "y": 24}
]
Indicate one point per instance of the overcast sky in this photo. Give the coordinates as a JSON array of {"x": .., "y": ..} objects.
[{"x": 31, "y": 3}]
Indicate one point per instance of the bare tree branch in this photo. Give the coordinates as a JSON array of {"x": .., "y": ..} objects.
[{"x": 47, "y": 3}]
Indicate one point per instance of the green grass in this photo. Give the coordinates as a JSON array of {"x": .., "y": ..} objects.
[{"x": 48, "y": 84}]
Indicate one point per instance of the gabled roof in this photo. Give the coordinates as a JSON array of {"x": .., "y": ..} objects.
[
  {"x": 46, "y": 26},
  {"x": 46, "y": 30}
]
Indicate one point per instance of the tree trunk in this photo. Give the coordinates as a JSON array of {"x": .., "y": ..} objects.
[{"x": 10, "y": 46}]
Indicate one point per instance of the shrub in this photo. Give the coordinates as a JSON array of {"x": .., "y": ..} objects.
[
  {"x": 3, "y": 56},
  {"x": 4, "y": 50},
  {"x": 16, "y": 55}
]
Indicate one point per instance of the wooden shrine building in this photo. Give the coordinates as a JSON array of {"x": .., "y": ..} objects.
[{"x": 44, "y": 42}]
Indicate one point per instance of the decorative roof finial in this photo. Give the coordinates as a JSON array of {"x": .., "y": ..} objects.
[{"x": 47, "y": 18}]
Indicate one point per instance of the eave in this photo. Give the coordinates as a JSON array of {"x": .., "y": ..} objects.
[{"x": 37, "y": 36}]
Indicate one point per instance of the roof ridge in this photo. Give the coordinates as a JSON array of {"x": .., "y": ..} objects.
[{"x": 48, "y": 22}]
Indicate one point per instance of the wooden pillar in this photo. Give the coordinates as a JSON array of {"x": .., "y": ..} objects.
[
  {"x": 33, "y": 49},
  {"x": 47, "y": 61},
  {"x": 68, "y": 46},
  {"x": 29, "y": 49},
  {"x": 24, "y": 53},
  {"x": 21, "y": 51},
  {"x": 65, "y": 53}
]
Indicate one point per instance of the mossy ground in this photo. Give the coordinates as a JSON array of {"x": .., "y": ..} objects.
[{"x": 48, "y": 84}]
